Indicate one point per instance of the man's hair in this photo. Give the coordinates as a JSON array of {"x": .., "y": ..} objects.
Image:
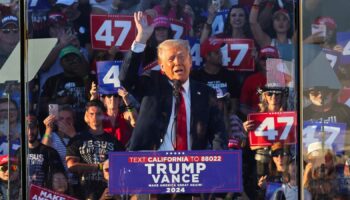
[
  {"x": 96, "y": 103},
  {"x": 170, "y": 44},
  {"x": 67, "y": 108}
]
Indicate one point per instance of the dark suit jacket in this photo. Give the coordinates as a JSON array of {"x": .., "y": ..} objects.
[{"x": 207, "y": 129}]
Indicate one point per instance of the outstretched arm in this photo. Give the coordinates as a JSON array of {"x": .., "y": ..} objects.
[{"x": 260, "y": 36}]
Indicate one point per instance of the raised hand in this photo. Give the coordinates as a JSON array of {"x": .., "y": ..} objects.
[{"x": 144, "y": 30}]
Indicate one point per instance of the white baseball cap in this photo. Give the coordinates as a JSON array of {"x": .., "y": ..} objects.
[{"x": 315, "y": 146}]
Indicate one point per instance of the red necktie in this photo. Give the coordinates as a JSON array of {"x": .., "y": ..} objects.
[{"x": 181, "y": 128}]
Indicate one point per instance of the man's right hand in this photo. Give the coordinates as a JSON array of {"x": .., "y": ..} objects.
[{"x": 144, "y": 30}]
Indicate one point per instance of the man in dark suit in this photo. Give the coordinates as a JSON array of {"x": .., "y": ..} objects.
[{"x": 157, "y": 122}]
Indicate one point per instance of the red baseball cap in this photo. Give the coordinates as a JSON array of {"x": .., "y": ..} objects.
[
  {"x": 268, "y": 52},
  {"x": 161, "y": 22},
  {"x": 210, "y": 45},
  {"x": 4, "y": 159},
  {"x": 328, "y": 21}
]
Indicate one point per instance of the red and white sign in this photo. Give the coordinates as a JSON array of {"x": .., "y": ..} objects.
[
  {"x": 273, "y": 127},
  {"x": 237, "y": 54},
  {"x": 37, "y": 192},
  {"x": 179, "y": 28},
  {"x": 112, "y": 30}
]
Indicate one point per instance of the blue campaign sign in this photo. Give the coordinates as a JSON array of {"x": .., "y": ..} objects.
[
  {"x": 343, "y": 39},
  {"x": 333, "y": 134},
  {"x": 108, "y": 76},
  {"x": 162, "y": 172},
  {"x": 333, "y": 57},
  {"x": 219, "y": 22},
  {"x": 197, "y": 60}
]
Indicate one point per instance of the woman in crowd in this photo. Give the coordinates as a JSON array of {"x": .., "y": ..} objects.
[
  {"x": 281, "y": 26},
  {"x": 236, "y": 24}
]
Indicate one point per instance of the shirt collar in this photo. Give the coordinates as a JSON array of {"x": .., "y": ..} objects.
[{"x": 185, "y": 86}]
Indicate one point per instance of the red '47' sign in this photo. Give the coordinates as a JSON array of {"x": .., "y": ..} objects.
[
  {"x": 112, "y": 30},
  {"x": 273, "y": 127},
  {"x": 237, "y": 54}
]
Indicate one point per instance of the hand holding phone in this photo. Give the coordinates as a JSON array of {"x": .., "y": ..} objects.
[
  {"x": 321, "y": 29},
  {"x": 53, "y": 109}
]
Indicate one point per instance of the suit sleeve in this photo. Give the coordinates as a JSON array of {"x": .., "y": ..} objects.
[{"x": 129, "y": 71}]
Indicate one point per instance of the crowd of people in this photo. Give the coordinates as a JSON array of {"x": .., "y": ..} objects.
[{"x": 170, "y": 105}]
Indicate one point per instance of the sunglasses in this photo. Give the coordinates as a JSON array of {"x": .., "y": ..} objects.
[
  {"x": 318, "y": 92},
  {"x": 279, "y": 153},
  {"x": 8, "y": 30},
  {"x": 4, "y": 168},
  {"x": 276, "y": 93}
]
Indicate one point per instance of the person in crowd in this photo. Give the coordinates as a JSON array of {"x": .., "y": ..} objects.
[
  {"x": 42, "y": 159},
  {"x": 249, "y": 98},
  {"x": 9, "y": 126},
  {"x": 9, "y": 172},
  {"x": 214, "y": 74},
  {"x": 87, "y": 151},
  {"x": 9, "y": 36},
  {"x": 116, "y": 122},
  {"x": 59, "y": 182},
  {"x": 281, "y": 26},
  {"x": 290, "y": 186},
  {"x": 280, "y": 157},
  {"x": 69, "y": 87},
  {"x": 58, "y": 28},
  {"x": 319, "y": 176},
  {"x": 325, "y": 38},
  {"x": 324, "y": 106},
  {"x": 59, "y": 130},
  {"x": 127, "y": 7},
  {"x": 236, "y": 24},
  {"x": 78, "y": 16},
  {"x": 106, "y": 195},
  {"x": 174, "y": 9},
  {"x": 175, "y": 62}
]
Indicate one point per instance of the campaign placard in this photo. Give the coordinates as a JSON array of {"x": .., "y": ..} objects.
[
  {"x": 333, "y": 57},
  {"x": 197, "y": 60},
  {"x": 333, "y": 134},
  {"x": 163, "y": 172},
  {"x": 218, "y": 24},
  {"x": 273, "y": 127},
  {"x": 108, "y": 76},
  {"x": 112, "y": 30},
  {"x": 343, "y": 39},
  {"x": 237, "y": 54},
  {"x": 179, "y": 28},
  {"x": 39, "y": 193}
]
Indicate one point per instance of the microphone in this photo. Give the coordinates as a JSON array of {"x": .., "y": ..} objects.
[{"x": 176, "y": 92}]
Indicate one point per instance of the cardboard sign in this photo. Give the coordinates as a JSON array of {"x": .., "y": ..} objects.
[
  {"x": 333, "y": 57},
  {"x": 219, "y": 22},
  {"x": 112, "y": 30},
  {"x": 273, "y": 127},
  {"x": 197, "y": 60},
  {"x": 108, "y": 76},
  {"x": 179, "y": 28},
  {"x": 38, "y": 193},
  {"x": 237, "y": 54},
  {"x": 166, "y": 172},
  {"x": 343, "y": 39},
  {"x": 333, "y": 134}
]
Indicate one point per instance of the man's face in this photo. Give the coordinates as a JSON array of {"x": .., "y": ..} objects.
[
  {"x": 94, "y": 117},
  {"x": 9, "y": 38},
  {"x": 72, "y": 64},
  {"x": 66, "y": 117},
  {"x": 215, "y": 57},
  {"x": 32, "y": 131},
  {"x": 320, "y": 97},
  {"x": 175, "y": 62}
]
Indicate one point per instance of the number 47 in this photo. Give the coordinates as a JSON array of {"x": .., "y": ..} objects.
[
  {"x": 271, "y": 133},
  {"x": 104, "y": 33}
]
